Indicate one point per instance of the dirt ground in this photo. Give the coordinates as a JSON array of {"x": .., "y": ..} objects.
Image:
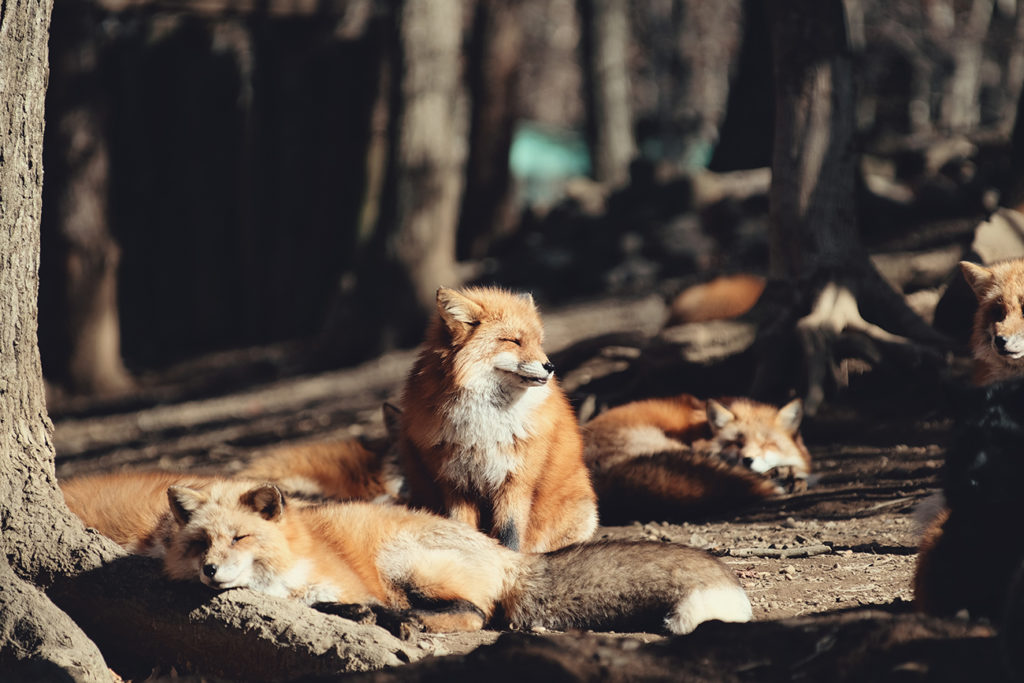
[{"x": 847, "y": 542}]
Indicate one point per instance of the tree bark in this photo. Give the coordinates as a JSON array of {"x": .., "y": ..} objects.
[
  {"x": 814, "y": 241},
  {"x": 80, "y": 323},
  {"x": 708, "y": 36},
  {"x": 487, "y": 208},
  {"x": 961, "y": 110},
  {"x": 605, "y": 43},
  {"x": 430, "y": 146}
]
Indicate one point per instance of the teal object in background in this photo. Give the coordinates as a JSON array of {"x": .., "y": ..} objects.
[{"x": 542, "y": 158}]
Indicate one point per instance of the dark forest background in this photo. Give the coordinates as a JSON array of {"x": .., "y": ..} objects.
[{"x": 225, "y": 174}]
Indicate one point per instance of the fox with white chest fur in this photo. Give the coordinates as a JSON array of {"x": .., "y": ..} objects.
[{"x": 488, "y": 437}]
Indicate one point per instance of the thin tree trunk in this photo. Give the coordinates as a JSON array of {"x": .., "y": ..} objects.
[
  {"x": 430, "y": 147},
  {"x": 493, "y": 75},
  {"x": 606, "y": 68},
  {"x": 961, "y": 106},
  {"x": 81, "y": 317},
  {"x": 813, "y": 221}
]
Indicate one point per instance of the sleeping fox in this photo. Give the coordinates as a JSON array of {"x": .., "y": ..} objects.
[
  {"x": 339, "y": 470},
  {"x": 418, "y": 570},
  {"x": 670, "y": 456}
]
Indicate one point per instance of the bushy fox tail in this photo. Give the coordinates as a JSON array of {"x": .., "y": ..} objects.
[{"x": 625, "y": 586}]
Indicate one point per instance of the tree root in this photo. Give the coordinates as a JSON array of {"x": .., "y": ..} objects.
[{"x": 834, "y": 339}]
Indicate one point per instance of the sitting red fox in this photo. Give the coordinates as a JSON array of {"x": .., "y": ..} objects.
[
  {"x": 997, "y": 340},
  {"x": 421, "y": 570},
  {"x": 664, "y": 457},
  {"x": 488, "y": 436}
]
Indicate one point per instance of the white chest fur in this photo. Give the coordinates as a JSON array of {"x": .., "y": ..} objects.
[{"x": 481, "y": 427}]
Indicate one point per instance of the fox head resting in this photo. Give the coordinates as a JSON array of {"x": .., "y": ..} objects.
[
  {"x": 997, "y": 340},
  {"x": 758, "y": 436},
  {"x": 227, "y": 536},
  {"x": 492, "y": 340}
]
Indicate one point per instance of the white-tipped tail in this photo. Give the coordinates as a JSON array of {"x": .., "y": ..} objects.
[{"x": 725, "y": 603}]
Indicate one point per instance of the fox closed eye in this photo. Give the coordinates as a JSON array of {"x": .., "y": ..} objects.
[
  {"x": 238, "y": 538},
  {"x": 514, "y": 341}
]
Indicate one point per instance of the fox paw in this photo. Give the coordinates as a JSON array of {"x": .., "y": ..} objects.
[
  {"x": 399, "y": 623},
  {"x": 361, "y": 614}
]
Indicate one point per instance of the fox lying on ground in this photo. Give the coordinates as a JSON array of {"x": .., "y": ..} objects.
[
  {"x": 724, "y": 297},
  {"x": 126, "y": 506},
  {"x": 997, "y": 338},
  {"x": 339, "y": 470},
  {"x": 433, "y": 573},
  {"x": 664, "y": 457},
  {"x": 488, "y": 436}
]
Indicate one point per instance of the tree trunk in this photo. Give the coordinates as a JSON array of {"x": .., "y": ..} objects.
[
  {"x": 605, "y": 43},
  {"x": 410, "y": 252},
  {"x": 814, "y": 243},
  {"x": 487, "y": 208},
  {"x": 961, "y": 109},
  {"x": 121, "y": 602},
  {"x": 81, "y": 333},
  {"x": 430, "y": 147},
  {"x": 35, "y": 535},
  {"x": 708, "y": 36}
]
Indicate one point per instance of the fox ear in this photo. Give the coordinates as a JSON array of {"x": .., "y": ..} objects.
[
  {"x": 456, "y": 309},
  {"x": 978, "y": 277},
  {"x": 392, "y": 420},
  {"x": 790, "y": 415},
  {"x": 184, "y": 501},
  {"x": 266, "y": 500},
  {"x": 528, "y": 298},
  {"x": 718, "y": 415}
]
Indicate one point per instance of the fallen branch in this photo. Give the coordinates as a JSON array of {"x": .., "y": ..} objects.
[{"x": 781, "y": 553}]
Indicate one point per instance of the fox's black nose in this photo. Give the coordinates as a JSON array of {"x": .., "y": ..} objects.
[
  {"x": 210, "y": 570},
  {"x": 1000, "y": 342},
  {"x": 549, "y": 366}
]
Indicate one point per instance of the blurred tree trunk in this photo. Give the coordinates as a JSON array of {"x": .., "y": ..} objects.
[
  {"x": 814, "y": 242},
  {"x": 708, "y": 37},
  {"x": 961, "y": 108},
  {"x": 80, "y": 328},
  {"x": 429, "y": 147},
  {"x": 1012, "y": 191},
  {"x": 605, "y": 41},
  {"x": 410, "y": 252},
  {"x": 493, "y": 66}
]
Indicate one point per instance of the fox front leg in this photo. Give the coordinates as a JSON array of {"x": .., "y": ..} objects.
[
  {"x": 462, "y": 509},
  {"x": 511, "y": 515}
]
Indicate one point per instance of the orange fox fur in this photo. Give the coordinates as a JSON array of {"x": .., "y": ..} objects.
[
  {"x": 437, "y": 573},
  {"x": 997, "y": 337},
  {"x": 416, "y": 568},
  {"x": 126, "y": 506},
  {"x": 663, "y": 457},
  {"x": 488, "y": 436},
  {"x": 340, "y": 470},
  {"x": 727, "y": 296}
]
